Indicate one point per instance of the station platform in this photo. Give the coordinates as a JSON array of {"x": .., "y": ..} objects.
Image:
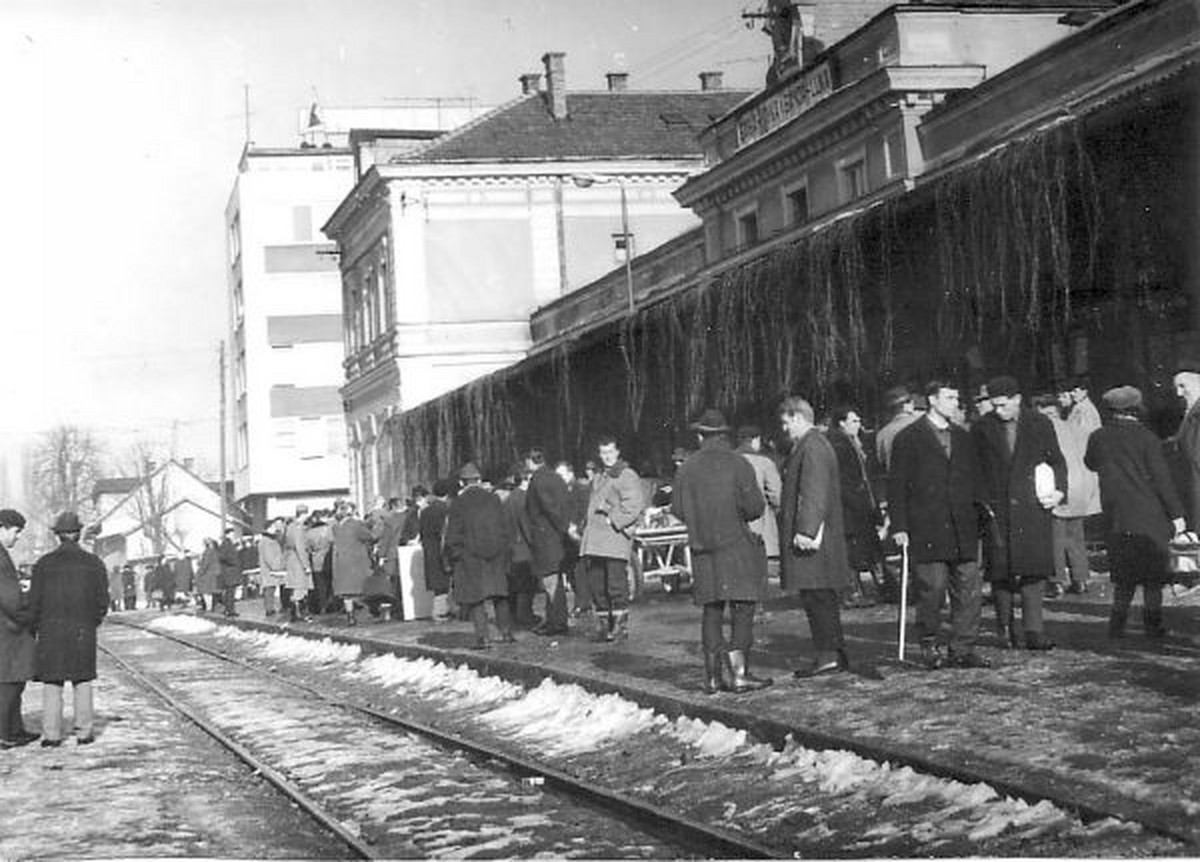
[{"x": 1102, "y": 727}]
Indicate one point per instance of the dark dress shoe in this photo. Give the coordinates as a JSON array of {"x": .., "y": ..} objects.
[
  {"x": 970, "y": 659},
  {"x": 1038, "y": 643},
  {"x": 85, "y": 740},
  {"x": 824, "y": 669},
  {"x": 51, "y": 743}
]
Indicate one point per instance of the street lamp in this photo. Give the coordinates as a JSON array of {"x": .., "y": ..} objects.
[{"x": 585, "y": 181}]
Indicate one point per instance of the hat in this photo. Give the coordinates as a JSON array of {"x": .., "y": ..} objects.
[
  {"x": 896, "y": 396},
  {"x": 1122, "y": 398},
  {"x": 12, "y": 518},
  {"x": 1003, "y": 386},
  {"x": 442, "y": 488},
  {"x": 67, "y": 522},
  {"x": 711, "y": 421},
  {"x": 749, "y": 432},
  {"x": 469, "y": 471},
  {"x": 1187, "y": 366},
  {"x": 982, "y": 394}
]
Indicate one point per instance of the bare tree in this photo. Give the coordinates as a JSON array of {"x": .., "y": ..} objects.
[
  {"x": 64, "y": 465},
  {"x": 152, "y": 498}
]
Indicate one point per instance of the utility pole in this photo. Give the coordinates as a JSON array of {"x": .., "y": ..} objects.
[
  {"x": 221, "y": 431},
  {"x": 246, "y": 108}
]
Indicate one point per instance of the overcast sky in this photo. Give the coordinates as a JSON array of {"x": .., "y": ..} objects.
[{"x": 122, "y": 125}]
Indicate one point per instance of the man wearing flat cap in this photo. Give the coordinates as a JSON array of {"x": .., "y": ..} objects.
[
  {"x": 69, "y": 599},
  {"x": 16, "y": 637},
  {"x": 717, "y": 496},
  {"x": 1187, "y": 438},
  {"x": 1023, "y": 477},
  {"x": 1142, "y": 508}
]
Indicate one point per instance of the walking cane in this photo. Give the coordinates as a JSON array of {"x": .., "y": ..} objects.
[{"x": 903, "y": 596}]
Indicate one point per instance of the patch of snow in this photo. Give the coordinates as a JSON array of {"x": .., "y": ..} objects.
[{"x": 183, "y": 624}]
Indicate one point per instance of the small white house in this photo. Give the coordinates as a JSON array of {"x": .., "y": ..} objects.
[{"x": 169, "y": 511}]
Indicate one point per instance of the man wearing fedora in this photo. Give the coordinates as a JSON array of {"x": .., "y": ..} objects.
[
  {"x": 69, "y": 599},
  {"x": 812, "y": 540},
  {"x": 16, "y": 637},
  {"x": 1143, "y": 510},
  {"x": 716, "y": 495},
  {"x": 1023, "y": 477}
]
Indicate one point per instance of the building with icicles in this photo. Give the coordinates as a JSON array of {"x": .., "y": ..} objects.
[
  {"x": 445, "y": 251},
  {"x": 950, "y": 189}
]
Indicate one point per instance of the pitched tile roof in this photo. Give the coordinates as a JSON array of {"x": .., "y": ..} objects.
[{"x": 599, "y": 125}]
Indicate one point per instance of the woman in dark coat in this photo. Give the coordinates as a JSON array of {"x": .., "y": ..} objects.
[
  {"x": 1140, "y": 505},
  {"x": 352, "y": 540},
  {"x": 476, "y": 545},
  {"x": 69, "y": 600},
  {"x": 208, "y": 576},
  {"x": 16, "y": 637},
  {"x": 1019, "y": 547},
  {"x": 716, "y": 494},
  {"x": 431, "y": 524},
  {"x": 812, "y": 540},
  {"x": 861, "y": 517}
]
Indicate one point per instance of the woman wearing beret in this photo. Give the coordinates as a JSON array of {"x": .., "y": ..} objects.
[{"x": 1141, "y": 506}]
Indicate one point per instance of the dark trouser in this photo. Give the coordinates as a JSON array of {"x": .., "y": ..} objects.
[
  {"x": 1031, "y": 590},
  {"x": 962, "y": 581},
  {"x": 582, "y": 585},
  {"x": 741, "y": 629},
  {"x": 478, "y": 616},
  {"x": 10, "y": 710},
  {"x": 131, "y": 602},
  {"x": 556, "y": 601},
  {"x": 227, "y": 599},
  {"x": 322, "y": 594},
  {"x": 607, "y": 583},
  {"x": 1070, "y": 550},
  {"x": 1136, "y": 561},
  {"x": 521, "y": 587},
  {"x": 824, "y": 611}
]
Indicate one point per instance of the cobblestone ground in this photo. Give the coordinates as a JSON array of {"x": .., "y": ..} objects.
[{"x": 150, "y": 785}]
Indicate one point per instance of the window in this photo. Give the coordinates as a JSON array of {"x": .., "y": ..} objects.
[
  {"x": 285, "y": 435},
  {"x": 311, "y": 439},
  {"x": 893, "y": 155},
  {"x": 852, "y": 176},
  {"x": 335, "y": 429},
  {"x": 795, "y": 203},
  {"x": 619, "y": 250},
  {"x": 746, "y": 222}
]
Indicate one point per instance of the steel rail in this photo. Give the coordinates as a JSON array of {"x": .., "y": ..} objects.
[
  {"x": 677, "y": 829},
  {"x": 273, "y": 776}
]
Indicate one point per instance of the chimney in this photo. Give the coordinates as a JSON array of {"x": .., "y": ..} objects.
[
  {"x": 530, "y": 83},
  {"x": 618, "y": 82},
  {"x": 711, "y": 81},
  {"x": 556, "y": 84}
]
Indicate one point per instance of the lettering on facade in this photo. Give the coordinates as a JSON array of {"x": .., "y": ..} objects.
[{"x": 793, "y": 100}]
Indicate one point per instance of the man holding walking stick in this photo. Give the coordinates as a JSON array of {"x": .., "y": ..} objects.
[{"x": 932, "y": 491}]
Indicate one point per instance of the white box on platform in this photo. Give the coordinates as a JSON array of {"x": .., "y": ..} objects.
[{"x": 416, "y": 600}]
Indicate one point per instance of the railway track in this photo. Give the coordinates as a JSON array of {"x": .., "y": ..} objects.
[
  {"x": 767, "y": 799},
  {"x": 671, "y": 834}
]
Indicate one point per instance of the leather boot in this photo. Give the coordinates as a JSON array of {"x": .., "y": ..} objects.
[
  {"x": 712, "y": 673},
  {"x": 738, "y": 677}
]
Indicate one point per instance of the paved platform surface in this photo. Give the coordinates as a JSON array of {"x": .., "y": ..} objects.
[{"x": 1100, "y": 726}]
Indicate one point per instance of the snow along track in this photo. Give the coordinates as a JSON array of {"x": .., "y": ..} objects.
[
  {"x": 679, "y": 833},
  {"x": 788, "y": 798}
]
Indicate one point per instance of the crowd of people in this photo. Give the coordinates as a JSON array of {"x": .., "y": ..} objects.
[{"x": 996, "y": 492}]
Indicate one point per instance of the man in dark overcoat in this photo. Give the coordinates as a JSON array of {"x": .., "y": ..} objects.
[
  {"x": 812, "y": 541},
  {"x": 69, "y": 599},
  {"x": 1015, "y": 448},
  {"x": 548, "y": 504},
  {"x": 16, "y": 637},
  {"x": 1141, "y": 508},
  {"x": 932, "y": 491},
  {"x": 431, "y": 527},
  {"x": 1187, "y": 438},
  {"x": 231, "y": 571},
  {"x": 476, "y": 544},
  {"x": 716, "y": 494}
]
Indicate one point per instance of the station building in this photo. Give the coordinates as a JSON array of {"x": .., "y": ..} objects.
[
  {"x": 952, "y": 189},
  {"x": 446, "y": 250}
]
